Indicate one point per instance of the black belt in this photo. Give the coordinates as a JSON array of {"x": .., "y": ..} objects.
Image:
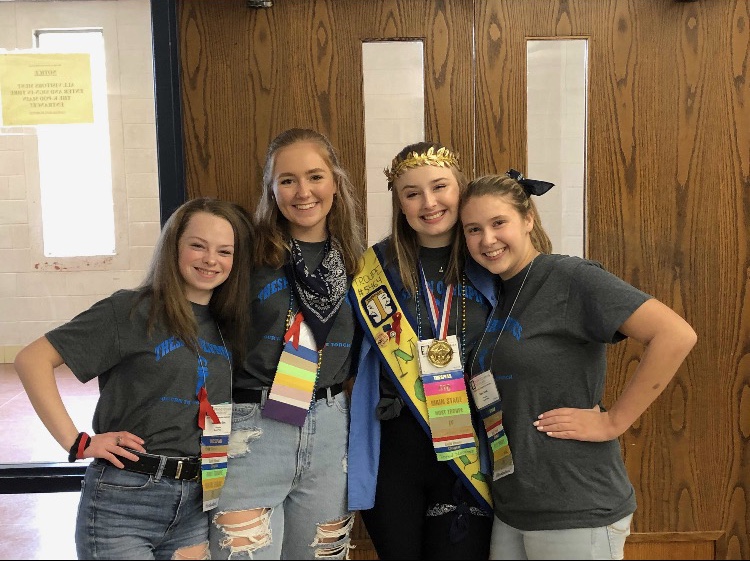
[
  {"x": 185, "y": 468},
  {"x": 242, "y": 395}
]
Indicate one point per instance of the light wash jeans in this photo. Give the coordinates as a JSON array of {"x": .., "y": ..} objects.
[
  {"x": 296, "y": 475},
  {"x": 127, "y": 515},
  {"x": 605, "y": 542}
]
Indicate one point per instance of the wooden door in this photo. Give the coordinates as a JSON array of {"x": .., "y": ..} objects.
[
  {"x": 667, "y": 184},
  {"x": 247, "y": 74},
  {"x": 667, "y": 208}
]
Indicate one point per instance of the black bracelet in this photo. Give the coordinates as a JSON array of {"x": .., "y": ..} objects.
[{"x": 76, "y": 451}]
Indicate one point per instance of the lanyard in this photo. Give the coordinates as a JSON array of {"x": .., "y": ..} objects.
[
  {"x": 439, "y": 318},
  {"x": 205, "y": 409}
]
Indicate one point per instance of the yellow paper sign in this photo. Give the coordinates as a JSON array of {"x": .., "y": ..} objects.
[{"x": 45, "y": 89}]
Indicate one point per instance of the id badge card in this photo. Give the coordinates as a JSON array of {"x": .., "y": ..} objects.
[
  {"x": 487, "y": 398},
  {"x": 484, "y": 390},
  {"x": 448, "y": 409},
  {"x": 214, "y": 454}
]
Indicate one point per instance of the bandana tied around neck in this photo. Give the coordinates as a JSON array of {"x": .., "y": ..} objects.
[{"x": 321, "y": 292}]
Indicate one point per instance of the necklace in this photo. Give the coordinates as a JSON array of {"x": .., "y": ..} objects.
[
  {"x": 205, "y": 409},
  {"x": 461, "y": 289},
  {"x": 316, "y": 258},
  {"x": 225, "y": 346},
  {"x": 515, "y": 300},
  {"x": 489, "y": 320}
]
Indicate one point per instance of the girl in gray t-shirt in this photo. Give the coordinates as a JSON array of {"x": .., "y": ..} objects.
[
  {"x": 556, "y": 314},
  {"x": 161, "y": 355}
]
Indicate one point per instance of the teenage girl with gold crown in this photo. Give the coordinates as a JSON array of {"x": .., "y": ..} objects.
[{"x": 415, "y": 468}]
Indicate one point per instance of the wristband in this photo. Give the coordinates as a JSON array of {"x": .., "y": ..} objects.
[{"x": 76, "y": 451}]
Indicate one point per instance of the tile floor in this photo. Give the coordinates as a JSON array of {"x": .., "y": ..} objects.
[{"x": 40, "y": 525}]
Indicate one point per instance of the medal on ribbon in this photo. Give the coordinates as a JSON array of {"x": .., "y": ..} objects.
[
  {"x": 442, "y": 374},
  {"x": 439, "y": 352}
]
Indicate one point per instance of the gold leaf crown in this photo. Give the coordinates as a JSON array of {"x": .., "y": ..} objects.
[{"x": 442, "y": 157}]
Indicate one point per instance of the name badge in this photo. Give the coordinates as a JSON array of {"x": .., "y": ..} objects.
[{"x": 484, "y": 389}]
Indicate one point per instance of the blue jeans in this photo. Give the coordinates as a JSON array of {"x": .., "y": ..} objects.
[
  {"x": 127, "y": 515},
  {"x": 293, "y": 478},
  {"x": 604, "y": 542}
]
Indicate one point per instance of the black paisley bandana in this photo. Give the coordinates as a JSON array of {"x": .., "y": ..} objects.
[{"x": 321, "y": 292}]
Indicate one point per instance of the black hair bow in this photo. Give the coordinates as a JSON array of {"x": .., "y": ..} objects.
[{"x": 531, "y": 186}]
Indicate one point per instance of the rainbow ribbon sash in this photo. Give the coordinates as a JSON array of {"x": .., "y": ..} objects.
[{"x": 293, "y": 386}]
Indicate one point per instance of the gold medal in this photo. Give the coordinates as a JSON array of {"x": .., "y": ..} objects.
[{"x": 439, "y": 353}]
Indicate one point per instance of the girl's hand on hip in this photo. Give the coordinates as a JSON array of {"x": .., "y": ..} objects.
[
  {"x": 590, "y": 425},
  {"x": 109, "y": 445}
]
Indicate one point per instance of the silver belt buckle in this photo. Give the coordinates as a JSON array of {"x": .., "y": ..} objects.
[{"x": 179, "y": 469}]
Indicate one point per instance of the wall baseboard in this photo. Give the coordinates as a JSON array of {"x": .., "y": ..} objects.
[{"x": 672, "y": 545}]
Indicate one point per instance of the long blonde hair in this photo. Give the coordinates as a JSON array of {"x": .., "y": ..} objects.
[
  {"x": 343, "y": 221},
  {"x": 513, "y": 192},
  {"x": 403, "y": 243}
]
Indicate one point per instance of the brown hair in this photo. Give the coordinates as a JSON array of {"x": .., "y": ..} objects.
[
  {"x": 164, "y": 283},
  {"x": 513, "y": 192},
  {"x": 343, "y": 221},
  {"x": 403, "y": 243}
]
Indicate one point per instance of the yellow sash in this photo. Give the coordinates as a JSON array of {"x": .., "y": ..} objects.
[{"x": 383, "y": 319}]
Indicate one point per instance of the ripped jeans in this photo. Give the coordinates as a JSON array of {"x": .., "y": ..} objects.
[{"x": 293, "y": 479}]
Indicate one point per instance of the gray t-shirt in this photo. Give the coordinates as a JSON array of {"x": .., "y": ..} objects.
[
  {"x": 271, "y": 300},
  {"x": 147, "y": 384},
  {"x": 551, "y": 354}
]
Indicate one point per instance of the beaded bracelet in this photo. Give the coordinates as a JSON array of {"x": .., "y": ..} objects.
[{"x": 76, "y": 451}]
